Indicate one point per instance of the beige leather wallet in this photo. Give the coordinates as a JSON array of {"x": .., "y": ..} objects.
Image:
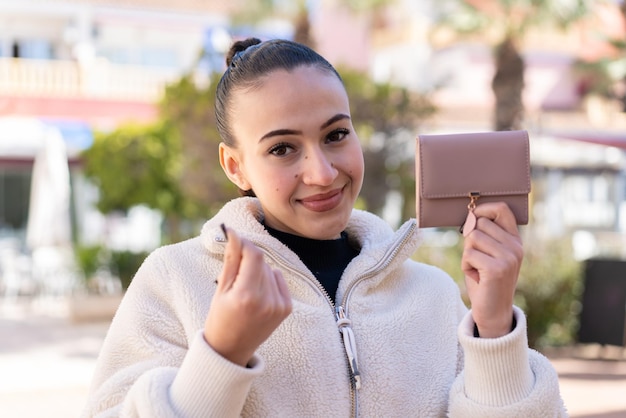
[{"x": 454, "y": 171}]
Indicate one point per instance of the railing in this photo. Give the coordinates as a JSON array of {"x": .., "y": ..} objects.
[{"x": 101, "y": 80}]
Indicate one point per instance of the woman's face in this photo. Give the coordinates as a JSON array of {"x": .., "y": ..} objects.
[{"x": 297, "y": 150}]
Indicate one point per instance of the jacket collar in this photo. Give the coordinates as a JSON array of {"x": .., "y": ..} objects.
[{"x": 372, "y": 234}]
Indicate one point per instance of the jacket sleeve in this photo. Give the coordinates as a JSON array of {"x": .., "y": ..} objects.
[
  {"x": 502, "y": 377},
  {"x": 151, "y": 366}
]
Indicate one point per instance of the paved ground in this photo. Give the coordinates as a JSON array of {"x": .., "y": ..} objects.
[
  {"x": 46, "y": 364},
  {"x": 592, "y": 387}
]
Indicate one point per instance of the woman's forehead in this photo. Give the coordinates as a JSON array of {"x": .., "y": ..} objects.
[
  {"x": 301, "y": 101},
  {"x": 294, "y": 78},
  {"x": 281, "y": 90}
]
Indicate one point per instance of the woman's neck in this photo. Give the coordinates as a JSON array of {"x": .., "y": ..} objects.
[{"x": 326, "y": 259}]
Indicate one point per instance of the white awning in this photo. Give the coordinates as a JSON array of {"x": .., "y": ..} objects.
[{"x": 22, "y": 137}]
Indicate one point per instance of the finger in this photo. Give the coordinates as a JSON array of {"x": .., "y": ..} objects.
[
  {"x": 494, "y": 241},
  {"x": 283, "y": 290},
  {"x": 487, "y": 238},
  {"x": 253, "y": 271},
  {"x": 500, "y": 213},
  {"x": 232, "y": 260},
  {"x": 468, "y": 265},
  {"x": 491, "y": 229},
  {"x": 487, "y": 256}
]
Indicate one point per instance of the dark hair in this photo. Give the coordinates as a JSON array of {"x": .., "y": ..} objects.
[{"x": 248, "y": 61}]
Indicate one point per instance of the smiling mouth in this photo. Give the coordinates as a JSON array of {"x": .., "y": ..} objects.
[{"x": 323, "y": 202}]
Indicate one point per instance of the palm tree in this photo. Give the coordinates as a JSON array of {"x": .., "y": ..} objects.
[
  {"x": 622, "y": 45},
  {"x": 299, "y": 14},
  {"x": 606, "y": 76},
  {"x": 506, "y": 22},
  {"x": 251, "y": 13}
]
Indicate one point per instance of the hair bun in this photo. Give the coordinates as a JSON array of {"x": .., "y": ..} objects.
[{"x": 240, "y": 46}]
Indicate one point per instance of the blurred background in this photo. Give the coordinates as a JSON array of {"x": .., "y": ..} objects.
[{"x": 108, "y": 146}]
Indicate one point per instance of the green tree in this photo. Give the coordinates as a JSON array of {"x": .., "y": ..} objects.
[
  {"x": 507, "y": 22},
  {"x": 134, "y": 165},
  {"x": 298, "y": 13},
  {"x": 172, "y": 165},
  {"x": 606, "y": 76},
  {"x": 621, "y": 45},
  {"x": 189, "y": 108},
  {"x": 386, "y": 118},
  {"x": 549, "y": 289},
  {"x": 294, "y": 11}
]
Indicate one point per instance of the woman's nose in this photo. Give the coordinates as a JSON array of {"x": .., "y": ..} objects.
[{"x": 318, "y": 169}]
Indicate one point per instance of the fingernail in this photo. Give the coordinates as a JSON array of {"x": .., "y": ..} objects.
[
  {"x": 469, "y": 225},
  {"x": 224, "y": 231}
]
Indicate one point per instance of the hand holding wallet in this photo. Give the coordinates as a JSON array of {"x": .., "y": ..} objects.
[{"x": 455, "y": 172}]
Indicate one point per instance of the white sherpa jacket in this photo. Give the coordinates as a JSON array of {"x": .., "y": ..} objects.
[{"x": 404, "y": 326}]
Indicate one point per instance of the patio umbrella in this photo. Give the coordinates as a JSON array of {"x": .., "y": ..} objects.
[
  {"x": 49, "y": 209},
  {"x": 48, "y": 232}
]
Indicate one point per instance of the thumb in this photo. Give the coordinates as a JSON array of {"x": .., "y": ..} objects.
[{"x": 232, "y": 260}]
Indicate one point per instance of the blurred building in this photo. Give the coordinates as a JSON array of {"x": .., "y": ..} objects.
[
  {"x": 578, "y": 140},
  {"x": 73, "y": 66},
  {"x": 79, "y": 65}
]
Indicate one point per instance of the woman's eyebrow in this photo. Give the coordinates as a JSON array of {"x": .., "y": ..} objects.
[
  {"x": 338, "y": 116},
  {"x": 280, "y": 132}
]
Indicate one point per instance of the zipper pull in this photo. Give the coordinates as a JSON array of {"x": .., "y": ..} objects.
[{"x": 349, "y": 344}]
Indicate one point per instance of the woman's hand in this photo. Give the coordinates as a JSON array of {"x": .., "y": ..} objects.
[
  {"x": 492, "y": 257},
  {"x": 250, "y": 302}
]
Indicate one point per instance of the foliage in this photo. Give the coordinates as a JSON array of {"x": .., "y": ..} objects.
[
  {"x": 88, "y": 259},
  {"x": 124, "y": 264},
  {"x": 506, "y": 22},
  {"x": 603, "y": 76},
  {"x": 189, "y": 108},
  {"x": 506, "y": 18},
  {"x": 134, "y": 165},
  {"x": 549, "y": 287},
  {"x": 137, "y": 164},
  {"x": 595, "y": 78},
  {"x": 171, "y": 165},
  {"x": 386, "y": 118},
  {"x": 549, "y": 290},
  {"x": 362, "y": 6},
  {"x": 444, "y": 250},
  {"x": 298, "y": 12}
]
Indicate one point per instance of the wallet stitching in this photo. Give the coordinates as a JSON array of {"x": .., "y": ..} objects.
[
  {"x": 524, "y": 192},
  {"x": 464, "y": 195}
]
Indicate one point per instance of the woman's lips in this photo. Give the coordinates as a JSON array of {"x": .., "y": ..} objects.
[{"x": 323, "y": 202}]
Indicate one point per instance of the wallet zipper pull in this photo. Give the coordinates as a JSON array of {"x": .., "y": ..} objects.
[
  {"x": 470, "y": 222},
  {"x": 473, "y": 198}
]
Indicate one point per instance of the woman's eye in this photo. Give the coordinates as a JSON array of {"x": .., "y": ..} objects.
[
  {"x": 337, "y": 135},
  {"x": 280, "y": 150}
]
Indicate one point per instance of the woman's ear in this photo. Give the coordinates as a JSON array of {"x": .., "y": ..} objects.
[{"x": 230, "y": 162}]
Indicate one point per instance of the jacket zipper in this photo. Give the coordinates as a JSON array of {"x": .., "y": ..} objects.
[
  {"x": 342, "y": 316},
  {"x": 381, "y": 265},
  {"x": 318, "y": 286},
  {"x": 341, "y": 311}
]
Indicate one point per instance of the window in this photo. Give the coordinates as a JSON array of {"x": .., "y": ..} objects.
[
  {"x": 145, "y": 56},
  {"x": 32, "y": 48},
  {"x": 14, "y": 197},
  {"x": 588, "y": 200}
]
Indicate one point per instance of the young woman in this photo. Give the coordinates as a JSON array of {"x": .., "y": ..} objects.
[{"x": 304, "y": 307}]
